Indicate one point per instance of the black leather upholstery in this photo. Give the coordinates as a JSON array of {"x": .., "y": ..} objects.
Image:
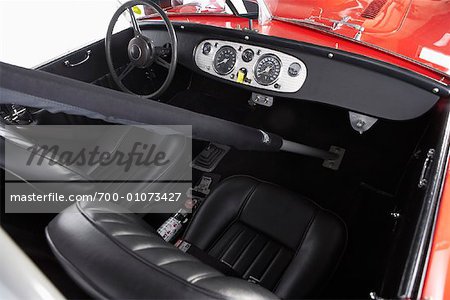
[
  {"x": 114, "y": 254},
  {"x": 283, "y": 240}
]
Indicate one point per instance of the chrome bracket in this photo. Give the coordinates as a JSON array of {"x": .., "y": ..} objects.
[
  {"x": 337, "y": 24},
  {"x": 361, "y": 123},
  {"x": 261, "y": 100},
  {"x": 334, "y": 164},
  {"x": 374, "y": 296}
]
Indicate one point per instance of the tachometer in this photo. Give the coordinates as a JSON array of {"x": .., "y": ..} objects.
[
  {"x": 224, "y": 60},
  {"x": 267, "y": 69}
]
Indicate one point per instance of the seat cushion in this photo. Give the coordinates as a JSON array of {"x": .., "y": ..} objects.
[
  {"x": 269, "y": 235},
  {"x": 276, "y": 239},
  {"x": 113, "y": 254}
]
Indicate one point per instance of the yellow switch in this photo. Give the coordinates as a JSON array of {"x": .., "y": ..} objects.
[
  {"x": 242, "y": 73},
  {"x": 137, "y": 10}
]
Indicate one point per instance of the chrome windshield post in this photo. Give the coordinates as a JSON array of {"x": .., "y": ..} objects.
[{"x": 264, "y": 13}]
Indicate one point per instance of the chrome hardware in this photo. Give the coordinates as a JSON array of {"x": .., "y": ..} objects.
[
  {"x": 252, "y": 279},
  {"x": 250, "y": 26},
  {"x": 358, "y": 34},
  {"x": 15, "y": 115},
  {"x": 435, "y": 90},
  {"x": 334, "y": 163},
  {"x": 361, "y": 123},
  {"x": 67, "y": 63},
  {"x": 265, "y": 137},
  {"x": 261, "y": 100},
  {"x": 395, "y": 215},
  {"x": 374, "y": 296},
  {"x": 226, "y": 263},
  {"x": 337, "y": 24},
  {"x": 423, "y": 181},
  {"x": 330, "y": 55},
  {"x": 286, "y": 83}
]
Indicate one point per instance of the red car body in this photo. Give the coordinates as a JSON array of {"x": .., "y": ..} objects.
[{"x": 412, "y": 34}]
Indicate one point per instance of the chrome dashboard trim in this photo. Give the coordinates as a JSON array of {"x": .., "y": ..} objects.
[
  {"x": 283, "y": 84},
  {"x": 260, "y": 59}
]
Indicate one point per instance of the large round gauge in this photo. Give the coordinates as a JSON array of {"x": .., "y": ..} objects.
[
  {"x": 224, "y": 60},
  {"x": 267, "y": 69}
]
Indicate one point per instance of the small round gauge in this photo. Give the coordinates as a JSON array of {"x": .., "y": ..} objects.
[
  {"x": 267, "y": 69},
  {"x": 224, "y": 60},
  {"x": 248, "y": 55},
  {"x": 294, "y": 69},
  {"x": 206, "y": 48}
]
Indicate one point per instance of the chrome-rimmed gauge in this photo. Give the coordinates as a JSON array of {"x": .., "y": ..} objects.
[
  {"x": 206, "y": 49},
  {"x": 248, "y": 55},
  {"x": 294, "y": 69},
  {"x": 267, "y": 69},
  {"x": 224, "y": 60}
]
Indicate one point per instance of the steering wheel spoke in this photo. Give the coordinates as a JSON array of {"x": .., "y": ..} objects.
[
  {"x": 160, "y": 61},
  {"x": 126, "y": 71},
  {"x": 136, "y": 29}
]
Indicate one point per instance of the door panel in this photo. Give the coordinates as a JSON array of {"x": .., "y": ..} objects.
[{"x": 95, "y": 66}]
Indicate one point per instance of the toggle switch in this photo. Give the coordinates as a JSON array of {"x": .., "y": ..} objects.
[{"x": 241, "y": 75}]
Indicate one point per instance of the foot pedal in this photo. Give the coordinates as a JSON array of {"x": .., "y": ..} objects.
[{"x": 210, "y": 157}]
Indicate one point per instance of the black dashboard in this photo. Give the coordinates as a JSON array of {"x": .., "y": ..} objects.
[
  {"x": 331, "y": 76},
  {"x": 288, "y": 69}
]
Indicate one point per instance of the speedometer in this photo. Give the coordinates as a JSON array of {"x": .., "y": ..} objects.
[
  {"x": 224, "y": 60},
  {"x": 267, "y": 69}
]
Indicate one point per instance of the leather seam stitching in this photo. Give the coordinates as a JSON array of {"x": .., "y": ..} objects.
[
  {"x": 236, "y": 218},
  {"x": 247, "y": 244},
  {"x": 234, "y": 240},
  {"x": 270, "y": 264}
]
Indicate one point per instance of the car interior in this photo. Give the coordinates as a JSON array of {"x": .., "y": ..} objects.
[{"x": 269, "y": 223}]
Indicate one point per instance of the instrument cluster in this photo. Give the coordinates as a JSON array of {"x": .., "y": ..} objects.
[{"x": 251, "y": 65}]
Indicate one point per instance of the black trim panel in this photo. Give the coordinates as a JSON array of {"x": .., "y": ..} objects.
[{"x": 347, "y": 80}]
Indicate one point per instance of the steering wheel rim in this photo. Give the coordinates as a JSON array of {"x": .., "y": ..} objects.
[{"x": 140, "y": 45}]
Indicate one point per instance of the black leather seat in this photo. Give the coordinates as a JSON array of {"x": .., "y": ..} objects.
[{"x": 284, "y": 244}]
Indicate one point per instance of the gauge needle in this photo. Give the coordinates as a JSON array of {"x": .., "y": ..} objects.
[
  {"x": 266, "y": 70},
  {"x": 223, "y": 61}
]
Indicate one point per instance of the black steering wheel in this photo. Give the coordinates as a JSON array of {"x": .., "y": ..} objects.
[{"x": 142, "y": 52}]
